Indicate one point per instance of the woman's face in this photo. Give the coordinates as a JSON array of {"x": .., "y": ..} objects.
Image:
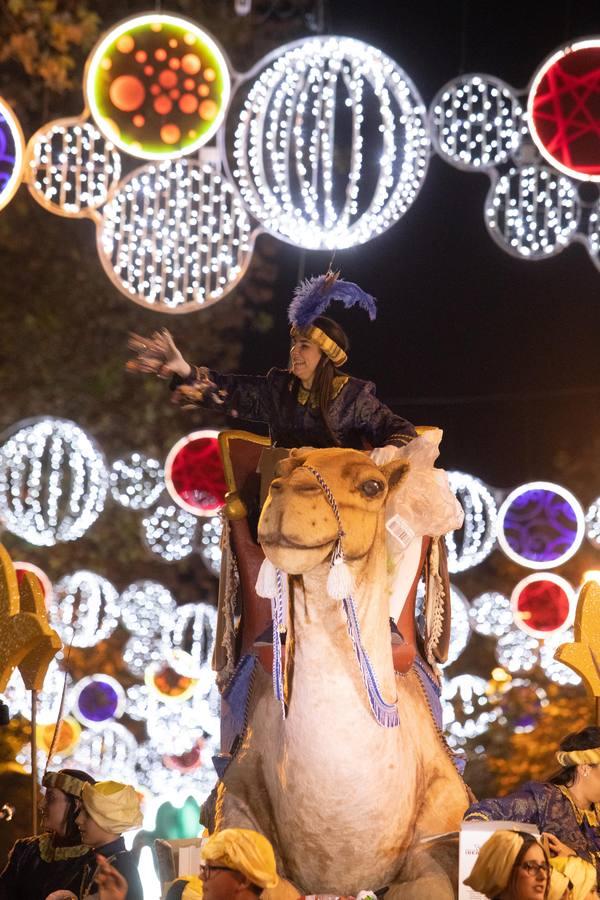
[
  {"x": 54, "y": 811},
  {"x": 531, "y": 876},
  {"x": 305, "y": 356}
]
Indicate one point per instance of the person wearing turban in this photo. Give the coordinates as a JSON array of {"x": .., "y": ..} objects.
[
  {"x": 312, "y": 403},
  {"x": 235, "y": 863},
  {"x": 57, "y": 858},
  {"x": 108, "y": 809},
  {"x": 511, "y": 865},
  {"x": 580, "y": 875},
  {"x": 566, "y": 808}
]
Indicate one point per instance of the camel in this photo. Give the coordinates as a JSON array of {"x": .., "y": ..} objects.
[{"x": 347, "y": 802}]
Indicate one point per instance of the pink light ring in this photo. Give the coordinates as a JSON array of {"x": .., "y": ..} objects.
[
  {"x": 541, "y": 564},
  {"x": 559, "y": 581},
  {"x": 551, "y": 60},
  {"x": 16, "y": 133},
  {"x": 181, "y": 444}
]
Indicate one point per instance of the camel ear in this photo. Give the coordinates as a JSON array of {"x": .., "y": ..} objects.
[{"x": 395, "y": 471}]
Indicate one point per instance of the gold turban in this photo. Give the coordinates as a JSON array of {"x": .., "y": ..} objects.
[
  {"x": 333, "y": 351},
  {"x": 580, "y": 873},
  {"x": 114, "y": 807},
  {"x": 558, "y": 885},
  {"x": 578, "y": 757},
  {"x": 244, "y": 851},
  {"x": 491, "y": 873},
  {"x": 67, "y": 783}
]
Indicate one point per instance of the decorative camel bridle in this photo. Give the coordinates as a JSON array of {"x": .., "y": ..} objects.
[{"x": 272, "y": 584}]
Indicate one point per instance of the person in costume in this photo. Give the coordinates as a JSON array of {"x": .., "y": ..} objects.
[
  {"x": 57, "y": 858},
  {"x": 566, "y": 808},
  {"x": 511, "y": 865},
  {"x": 311, "y": 404},
  {"x": 581, "y": 877},
  {"x": 235, "y": 863},
  {"x": 109, "y": 808}
]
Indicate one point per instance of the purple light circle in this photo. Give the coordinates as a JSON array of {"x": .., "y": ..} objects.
[
  {"x": 540, "y": 525},
  {"x": 97, "y": 699}
]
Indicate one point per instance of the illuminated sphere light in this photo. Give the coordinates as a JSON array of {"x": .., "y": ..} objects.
[
  {"x": 543, "y": 604},
  {"x": 157, "y": 86},
  {"x": 108, "y": 753},
  {"x": 532, "y": 212},
  {"x": 540, "y": 525},
  {"x": 517, "y": 651},
  {"x": 471, "y": 544},
  {"x": 48, "y": 700},
  {"x": 12, "y": 149},
  {"x": 172, "y": 681},
  {"x": 476, "y": 122},
  {"x": 42, "y": 579},
  {"x": 466, "y": 709},
  {"x": 194, "y": 631},
  {"x": 70, "y": 167},
  {"x": 592, "y": 235},
  {"x": 210, "y": 543},
  {"x": 147, "y": 611},
  {"x": 69, "y": 732},
  {"x": 562, "y": 109},
  {"x": 555, "y": 670},
  {"x": 174, "y": 237},
  {"x": 460, "y": 630},
  {"x": 136, "y": 481},
  {"x": 160, "y": 780},
  {"x": 97, "y": 699},
  {"x": 331, "y": 145},
  {"x": 592, "y": 523},
  {"x": 84, "y": 609},
  {"x": 194, "y": 473},
  {"x": 521, "y": 705},
  {"x": 174, "y": 728},
  {"x": 490, "y": 614},
  {"x": 53, "y": 482},
  {"x": 169, "y": 532}
]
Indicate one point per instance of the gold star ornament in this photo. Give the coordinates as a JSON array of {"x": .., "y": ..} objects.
[{"x": 583, "y": 655}]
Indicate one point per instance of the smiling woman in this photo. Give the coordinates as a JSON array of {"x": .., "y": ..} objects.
[{"x": 312, "y": 403}]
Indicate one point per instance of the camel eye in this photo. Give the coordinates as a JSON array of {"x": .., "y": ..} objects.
[{"x": 371, "y": 487}]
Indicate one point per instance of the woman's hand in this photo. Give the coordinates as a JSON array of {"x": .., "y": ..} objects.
[
  {"x": 556, "y": 847},
  {"x": 157, "y": 354},
  {"x": 112, "y": 885}
]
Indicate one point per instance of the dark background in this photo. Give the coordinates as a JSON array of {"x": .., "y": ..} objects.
[{"x": 499, "y": 352}]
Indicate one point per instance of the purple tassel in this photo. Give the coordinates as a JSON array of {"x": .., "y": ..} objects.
[{"x": 313, "y": 296}]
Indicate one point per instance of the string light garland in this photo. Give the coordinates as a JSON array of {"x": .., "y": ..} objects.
[
  {"x": 53, "y": 482},
  {"x": 169, "y": 531},
  {"x": 553, "y": 669},
  {"x": 12, "y": 150},
  {"x": 517, "y": 651},
  {"x": 174, "y": 237},
  {"x": 317, "y": 101},
  {"x": 467, "y": 712},
  {"x": 136, "y": 481},
  {"x": 70, "y": 167},
  {"x": 478, "y": 532},
  {"x": 592, "y": 523},
  {"x": 157, "y": 85},
  {"x": 147, "y": 610},
  {"x": 476, "y": 122},
  {"x": 209, "y": 544},
  {"x": 490, "y": 614},
  {"x": 84, "y": 609}
]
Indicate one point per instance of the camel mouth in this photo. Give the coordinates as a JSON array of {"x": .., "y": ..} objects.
[{"x": 280, "y": 540}]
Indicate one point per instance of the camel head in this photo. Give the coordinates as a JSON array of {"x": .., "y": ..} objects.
[{"x": 298, "y": 528}]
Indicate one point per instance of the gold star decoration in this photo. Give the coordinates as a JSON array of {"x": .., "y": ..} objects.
[
  {"x": 26, "y": 640},
  {"x": 583, "y": 654}
]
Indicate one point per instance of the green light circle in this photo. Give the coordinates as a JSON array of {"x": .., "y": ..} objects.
[{"x": 157, "y": 86}]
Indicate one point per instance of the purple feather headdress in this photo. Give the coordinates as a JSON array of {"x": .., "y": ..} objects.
[{"x": 313, "y": 296}]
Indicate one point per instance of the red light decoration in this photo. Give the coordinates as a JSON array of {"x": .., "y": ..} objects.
[
  {"x": 194, "y": 473},
  {"x": 564, "y": 109},
  {"x": 543, "y": 604}
]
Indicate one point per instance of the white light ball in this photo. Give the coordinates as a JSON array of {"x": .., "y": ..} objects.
[
  {"x": 470, "y": 545},
  {"x": 136, "y": 481},
  {"x": 84, "y": 609}
]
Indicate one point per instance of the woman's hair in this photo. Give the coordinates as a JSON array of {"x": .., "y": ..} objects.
[
  {"x": 72, "y": 835},
  {"x": 321, "y": 390},
  {"x": 528, "y": 841},
  {"x": 586, "y": 739}
]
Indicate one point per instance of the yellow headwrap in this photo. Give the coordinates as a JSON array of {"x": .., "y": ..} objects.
[
  {"x": 558, "y": 885},
  {"x": 67, "y": 783},
  {"x": 244, "y": 851},
  {"x": 329, "y": 347},
  {"x": 580, "y": 873},
  {"x": 578, "y": 757},
  {"x": 491, "y": 872},
  {"x": 114, "y": 807}
]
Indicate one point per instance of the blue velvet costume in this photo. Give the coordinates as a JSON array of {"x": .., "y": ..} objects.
[
  {"x": 357, "y": 418},
  {"x": 35, "y": 868},
  {"x": 550, "y": 807}
]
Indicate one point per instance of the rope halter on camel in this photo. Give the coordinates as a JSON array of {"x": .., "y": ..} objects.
[{"x": 340, "y": 586}]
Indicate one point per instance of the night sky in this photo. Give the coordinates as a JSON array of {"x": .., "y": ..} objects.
[{"x": 499, "y": 352}]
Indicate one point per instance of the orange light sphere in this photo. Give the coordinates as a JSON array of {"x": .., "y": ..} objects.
[
  {"x": 190, "y": 64},
  {"x": 162, "y": 105},
  {"x": 127, "y": 93},
  {"x": 170, "y": 134},
  {"x": 208, "y": 109},
  {"x": 188, "y": 103}
]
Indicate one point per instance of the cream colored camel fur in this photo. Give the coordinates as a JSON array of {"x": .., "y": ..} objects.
[{"x": 345, "y": 801}]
